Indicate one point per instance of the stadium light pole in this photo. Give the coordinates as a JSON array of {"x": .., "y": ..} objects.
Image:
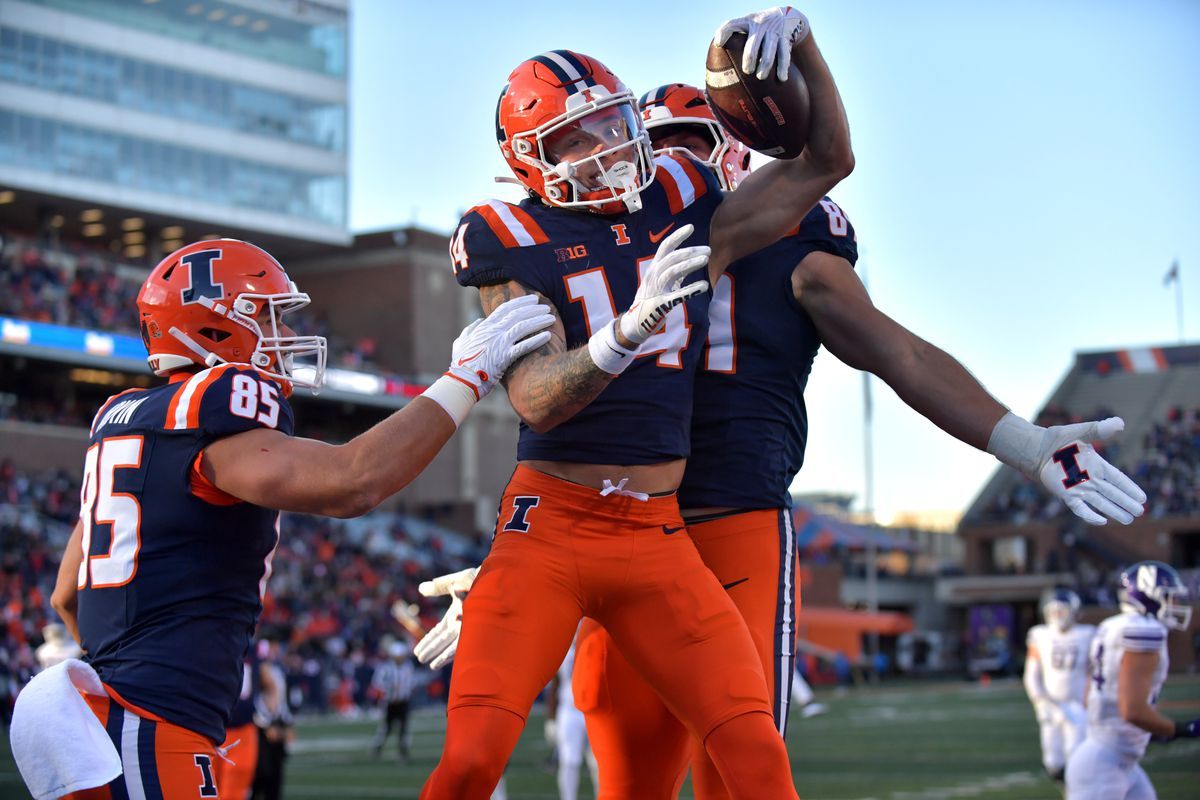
[{"x": 869, "y": 504}]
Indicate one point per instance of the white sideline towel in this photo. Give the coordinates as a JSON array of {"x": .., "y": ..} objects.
[{"x": 59, "y": 744}]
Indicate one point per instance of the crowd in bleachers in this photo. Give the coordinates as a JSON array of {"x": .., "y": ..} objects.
[
  {"x": 328, "y": 600},
  {"x": 1168, "y": 470},
  {"x": 87, "y": 288}
]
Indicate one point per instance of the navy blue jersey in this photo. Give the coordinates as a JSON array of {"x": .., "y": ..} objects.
[
  {"x": 170, "y": 584},
  {"x": 242, "y": 712},
  {"x": 750, "y": 423},
  {"x": 587, "y": 265}
]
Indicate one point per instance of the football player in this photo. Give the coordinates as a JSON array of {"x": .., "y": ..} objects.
[
  {"x": 1056, "y": 677},
  {"x": 769, "y": 315},
  {"x": 1128, "y": 666},
  {"x": 589, "y": 522},
  {"x": 162, "y": 579}
]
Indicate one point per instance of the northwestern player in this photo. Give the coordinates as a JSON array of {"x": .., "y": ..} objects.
[
  {"x": 1128, "y": 667},
  {"x": 1056, "y": 677},
  {"x": 769, "y": 315},
  {"x": 589, "y": 522},
  {"x": 163, "y": 576}
]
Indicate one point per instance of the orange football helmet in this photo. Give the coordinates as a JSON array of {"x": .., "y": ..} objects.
[
  {"x": 209, "y": 302},
  {"x": 676, "y": 105},
  {"x": 570, "y": 131}
]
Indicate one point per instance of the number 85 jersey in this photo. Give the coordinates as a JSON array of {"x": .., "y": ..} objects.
[
  {"x": 173, "y": 569},
  {"x": 589, "y": 266}
]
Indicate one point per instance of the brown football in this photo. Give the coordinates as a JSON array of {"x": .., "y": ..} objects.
[{"x": 770, "y": 116}]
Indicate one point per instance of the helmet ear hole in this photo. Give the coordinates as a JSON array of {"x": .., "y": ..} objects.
[{"x": 214, "y": 335}]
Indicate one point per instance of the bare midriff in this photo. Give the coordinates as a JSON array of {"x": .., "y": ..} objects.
[{"x": 661, "y": 478}]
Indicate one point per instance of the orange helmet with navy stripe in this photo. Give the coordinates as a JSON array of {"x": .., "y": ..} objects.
[
  {"x": 676, "y": 107},
  {"x": 571, "y": 133},
  {"x": 223, "y": 301}
]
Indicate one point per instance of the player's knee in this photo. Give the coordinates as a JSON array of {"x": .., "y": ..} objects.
[{"x": 748, "y": 748}]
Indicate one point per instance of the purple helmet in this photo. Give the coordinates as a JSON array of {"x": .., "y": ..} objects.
[{"x": 1156, "y": 590}]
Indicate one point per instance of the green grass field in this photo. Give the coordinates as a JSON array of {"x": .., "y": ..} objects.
[{"x": 936, "y": 741}]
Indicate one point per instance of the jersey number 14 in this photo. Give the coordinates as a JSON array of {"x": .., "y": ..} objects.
[{"x": 590, "y": 287}]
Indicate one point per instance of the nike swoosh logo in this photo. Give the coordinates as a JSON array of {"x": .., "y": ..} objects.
[
  {"x": 668, "y": 531},
  {"x": 655, "y": 237},
  {"x": 728, "y": 586},
  {"x": 462, "y": 362}
]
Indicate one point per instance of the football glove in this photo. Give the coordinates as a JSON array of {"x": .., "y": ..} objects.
[
  {"x": 660, "y": 289},
  {"x": 1046, "y": 710},
  {"x": 485, "y": 349},
  {"x": 437, "y": 648},
  {"x": 1187, "y": 730},
  {"x": 1063, "y": 460},
  {"x": 770, "y": 36}
]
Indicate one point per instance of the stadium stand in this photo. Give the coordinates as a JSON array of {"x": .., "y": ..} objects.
[
  {"x": 328, "y": 600},
  {"x": 1018, "y": 541},
  {"x": 75, "y": 284}
]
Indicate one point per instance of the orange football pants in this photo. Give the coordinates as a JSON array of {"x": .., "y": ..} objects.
[
  {"x": 641, "y": 747},
  {"x": 563, "y": 551},
  {"x": 235, "y": 773},
  {"x": 159, "y": 761}
]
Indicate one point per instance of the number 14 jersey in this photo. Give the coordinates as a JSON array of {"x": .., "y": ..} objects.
[{"x": 589, "y": 266}]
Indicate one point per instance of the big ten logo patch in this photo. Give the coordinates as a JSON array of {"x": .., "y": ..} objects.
[{"x": 564, "y": 254}]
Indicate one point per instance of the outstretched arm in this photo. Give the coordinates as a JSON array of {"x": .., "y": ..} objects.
[
  {"x": 939, "y": 388},
  {"x": 775, "y": 197},
  {"x": 271, "y": 469},
  {"x": 925, "y": 377}
]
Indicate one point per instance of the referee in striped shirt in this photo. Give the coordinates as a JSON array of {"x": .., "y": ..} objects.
[{"x": 393, "y": 683}]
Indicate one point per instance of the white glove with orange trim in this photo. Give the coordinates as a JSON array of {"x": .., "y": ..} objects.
[
  {"x": 485, "y": 349},
  {"x": 770, "y": 36},
  {"x": 1062, "y": 458},
  {"x": 437, "y": 648}
]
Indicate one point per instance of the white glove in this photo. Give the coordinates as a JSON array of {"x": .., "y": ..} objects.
[
  {"x": 1062, "y": 458},
  {"x": 437, "y": 648},
  {"x": 485, "y": 349},
  {"x": 660, "y": 289},
  {"x": 550, "y": 730},
  {"x": 1046, "y": 710},
  {"x": 771, "y": 34}
]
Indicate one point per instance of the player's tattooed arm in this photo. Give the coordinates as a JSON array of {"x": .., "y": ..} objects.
[{"x": 551, "y": 384}]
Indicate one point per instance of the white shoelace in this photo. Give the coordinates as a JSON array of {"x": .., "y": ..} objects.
[{"x": 620, "y": 490}]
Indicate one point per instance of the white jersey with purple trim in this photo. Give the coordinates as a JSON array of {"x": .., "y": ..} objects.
[
  {"x": 1064, "y": 659},
  {"x": 1125, "y": 633}
]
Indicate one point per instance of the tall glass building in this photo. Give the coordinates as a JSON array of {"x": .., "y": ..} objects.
[{"x": 222, "y": 114}]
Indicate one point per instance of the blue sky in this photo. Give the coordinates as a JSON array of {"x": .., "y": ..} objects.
[{"x": 1027, "y": 172}]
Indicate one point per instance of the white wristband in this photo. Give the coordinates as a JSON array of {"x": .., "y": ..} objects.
[
  {"x": 1016, "y": 442},
  {"x": 607, "y": 353},
  {"x": 454, "y": 396}
]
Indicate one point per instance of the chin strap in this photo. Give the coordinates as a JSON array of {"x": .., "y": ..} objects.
[{"x": 209, "y": 358}]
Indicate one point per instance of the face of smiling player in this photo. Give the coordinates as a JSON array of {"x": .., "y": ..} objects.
[{"x": 597, "y": 152}]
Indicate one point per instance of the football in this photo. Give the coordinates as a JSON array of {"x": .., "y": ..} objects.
[{"x": 770, "y": 116}]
